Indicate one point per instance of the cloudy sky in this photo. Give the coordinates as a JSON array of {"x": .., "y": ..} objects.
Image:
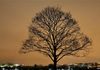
[{"x": 16, "y": 16}]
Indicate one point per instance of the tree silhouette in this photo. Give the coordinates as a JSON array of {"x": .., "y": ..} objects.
[{"x": 56, "y": 34}]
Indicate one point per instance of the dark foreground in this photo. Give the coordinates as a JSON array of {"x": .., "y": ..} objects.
[{"x": 48, "y": 68}]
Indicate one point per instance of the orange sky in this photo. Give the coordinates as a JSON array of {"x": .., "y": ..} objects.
[{"x": 16, "y": 15}]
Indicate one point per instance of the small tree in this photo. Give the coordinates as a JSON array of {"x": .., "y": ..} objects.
[{"x": 55, "y": 34}]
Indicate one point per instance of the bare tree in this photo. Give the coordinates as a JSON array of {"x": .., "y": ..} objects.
[{"x": 55, "y": 34}]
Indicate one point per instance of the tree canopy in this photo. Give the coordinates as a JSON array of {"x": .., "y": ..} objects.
[{"x": 56, "y": 34}]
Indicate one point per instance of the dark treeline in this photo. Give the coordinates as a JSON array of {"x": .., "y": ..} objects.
[{"x": 50, "y": 67}]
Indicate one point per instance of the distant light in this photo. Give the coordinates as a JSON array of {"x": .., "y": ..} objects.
[
  {"x": 50, "y": 69},
  {"x": 16, "y": 65},
  {"x": 1, "y": 66},
  {"x": 11, "y": 66}
]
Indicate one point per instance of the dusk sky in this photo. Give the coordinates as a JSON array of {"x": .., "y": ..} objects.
[{"x": 16, "y": 16}]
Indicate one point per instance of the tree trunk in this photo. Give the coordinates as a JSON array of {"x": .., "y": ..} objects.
[
  {"x": 55, "y": 64},
  {"x": 55, "y": 59}
]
